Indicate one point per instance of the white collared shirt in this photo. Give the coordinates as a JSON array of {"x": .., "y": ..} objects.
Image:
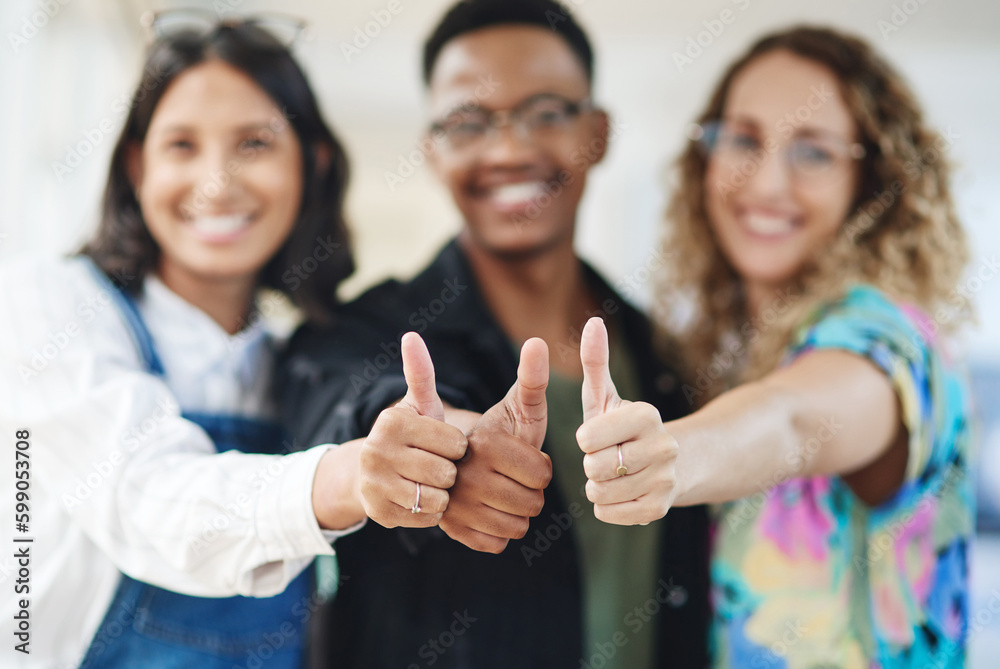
[{"x": 119, "y": 481}]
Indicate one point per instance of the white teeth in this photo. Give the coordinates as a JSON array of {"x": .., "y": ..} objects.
[
  {"x": 511, "y": 194},
  {"x": 221, "y": 225},
  {"x": 768, "y": 225}
]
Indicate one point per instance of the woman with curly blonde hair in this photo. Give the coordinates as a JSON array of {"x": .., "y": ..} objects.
[{"x": 819, "y": 260}]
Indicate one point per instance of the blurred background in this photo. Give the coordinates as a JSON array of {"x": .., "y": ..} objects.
[{"x": 68, "y": 69}]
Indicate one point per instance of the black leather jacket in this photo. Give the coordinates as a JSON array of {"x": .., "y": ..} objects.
[{"x": 413, "y": 598}]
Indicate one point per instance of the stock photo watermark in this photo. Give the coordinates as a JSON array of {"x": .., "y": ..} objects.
[
  {"x": 696, "y": 44},
  {"x": 35, "y": 22}
]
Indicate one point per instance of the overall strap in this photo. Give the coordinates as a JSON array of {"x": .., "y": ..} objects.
[{"x": 133, "y": 319}]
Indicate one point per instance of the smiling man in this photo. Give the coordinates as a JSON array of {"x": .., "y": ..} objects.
[{"x": 505, "y": 576}]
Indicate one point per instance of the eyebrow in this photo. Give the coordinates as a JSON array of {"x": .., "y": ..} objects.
[
  {"x": 474, "y": 107},
  {"x": 800, "y": 131},
  {"x": 246, "y": 127}
]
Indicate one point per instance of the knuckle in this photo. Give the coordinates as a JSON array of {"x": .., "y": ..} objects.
[
  {"x": 648, "y": 413},
  {"x": 547, "y": 471},
  {"x": 671, "y": 447},
  {"x": 476, "y": 441},
  {"x": 541, "y": 473},
  {"x": 458, "y": 447},
  {"x": 389, "y": 420},
  {"x": 372, "y": 458},
  {"x": 520, "y": 528},
  {"x": 494, "y": 545},
  {"x": 537, "y": 505},
  {"x": 439, "y": 503},
  {"x": 427, "y": 519},
  {"x": 447, "y": 474}
]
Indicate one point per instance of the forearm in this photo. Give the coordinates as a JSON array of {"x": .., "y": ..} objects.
[
  {"x": 744, "y": 441},
  {"x": 828, "y": 413}
]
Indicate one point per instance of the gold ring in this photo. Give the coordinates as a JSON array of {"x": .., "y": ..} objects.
[
  {"x": 622, "y": 469},
  {"x": 416, "y": 505}
]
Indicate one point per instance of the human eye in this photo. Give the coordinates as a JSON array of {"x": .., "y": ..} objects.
[
  {"x": 178, "y": 145},
  {"x": 812, "y": 155},
  {"x": 254, "y": 143},
  {"x": 546, "y": 114},
  {"x": 466, "y": 124},
  {"x": 737, "y": 139},
  {"x": 744, "y": 140}
]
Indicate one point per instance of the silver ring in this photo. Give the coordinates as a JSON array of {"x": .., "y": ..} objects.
[
  {"x": 416, "y": 505},
  {"x": 622, "y": 469}
]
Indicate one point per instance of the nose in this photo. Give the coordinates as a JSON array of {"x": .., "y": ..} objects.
[
  {"x": 218, "y": 177},
  {"x": 505, "y": 146},
  {"x": 773, "y": 175}
]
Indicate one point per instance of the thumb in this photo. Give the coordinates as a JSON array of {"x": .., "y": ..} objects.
[
  {"x": 418, "y": 370},
  {"x": 522, "y": 412},
  {"x": 527, "y": 395},
  {"x": 599, "y": 393}
]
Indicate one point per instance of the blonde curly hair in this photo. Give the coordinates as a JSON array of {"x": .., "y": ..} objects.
[{"x": 902, "y": 236}]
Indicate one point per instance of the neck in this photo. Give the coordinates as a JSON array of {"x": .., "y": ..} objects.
[
  {"x": 763, "y": 296},
  {"x": 756, "y": 295},
  {"x": 541, "y": 295},
  {"x": 226, "y": 301}
]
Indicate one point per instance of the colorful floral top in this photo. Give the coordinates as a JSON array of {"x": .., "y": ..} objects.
[{"x": 805, "y": 575}]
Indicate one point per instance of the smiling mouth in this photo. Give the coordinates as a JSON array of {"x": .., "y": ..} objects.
[
  {"x": 220, "y": 228},
  {"x": 767, "y": 225},
  {"x": 515, "y": 197}
]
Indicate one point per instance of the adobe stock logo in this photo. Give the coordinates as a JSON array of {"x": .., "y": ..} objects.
[{"x": 31, "y": 24}]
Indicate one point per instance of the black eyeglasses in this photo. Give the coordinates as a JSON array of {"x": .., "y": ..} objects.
[
  {"x": 201, "y": 23},
  {"x": 533, "y": 118},
  {"x": 808, "y": 156}
]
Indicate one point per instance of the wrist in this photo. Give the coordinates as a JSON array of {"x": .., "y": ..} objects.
[
  {"x": 686, "y": 470},
  {"x": 336, "y": 494}
]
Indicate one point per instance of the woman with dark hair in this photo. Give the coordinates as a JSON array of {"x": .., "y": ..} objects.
[
  {"x": 171, "y": 525},
  {"x": 820, "y": 250}
]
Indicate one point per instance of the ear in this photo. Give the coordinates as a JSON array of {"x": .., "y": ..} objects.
[
  {"x": 133, "y": 166},
  {"x": 601, "y": 128},
  {"x": 323, "y": 154}
]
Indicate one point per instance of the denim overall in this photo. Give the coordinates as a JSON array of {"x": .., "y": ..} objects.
[{"x": 153, "y": 628}]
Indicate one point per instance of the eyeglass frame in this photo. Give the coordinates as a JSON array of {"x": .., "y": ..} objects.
[
  {"x": 499, "y": 118},
  {"x": 852, "y": 151},
  {"x": 215, "y": 20}
]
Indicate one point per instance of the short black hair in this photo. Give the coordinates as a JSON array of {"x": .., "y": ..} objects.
[
  {"x": 123, "y": 247},
  {"x": 469, "y": 15}
]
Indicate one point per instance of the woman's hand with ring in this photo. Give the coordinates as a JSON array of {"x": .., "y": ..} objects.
[
  {"x": 408, "y": 459},
  {"x": 635, "y": 430}
]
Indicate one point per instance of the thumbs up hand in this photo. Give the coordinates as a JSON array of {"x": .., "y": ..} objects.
[
  {"x": 630, "y": 458},
  {"x": 407, "y": 461},
  {"x": 501, "y": 480}
]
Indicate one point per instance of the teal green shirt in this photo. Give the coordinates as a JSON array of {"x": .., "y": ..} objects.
[{"x": 619, "y": 564}]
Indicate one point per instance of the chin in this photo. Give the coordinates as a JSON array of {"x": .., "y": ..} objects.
[
  {"x": 517, "y": 244},
  {"x": 222, "y": 269},
  {"x": 772, "y": 274}
]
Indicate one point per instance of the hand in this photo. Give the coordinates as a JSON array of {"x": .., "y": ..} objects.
[
  {"x": 502, "y": 479},
  {"x": 648, "y": 451},
  {"x": 410, "y": 444}
]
